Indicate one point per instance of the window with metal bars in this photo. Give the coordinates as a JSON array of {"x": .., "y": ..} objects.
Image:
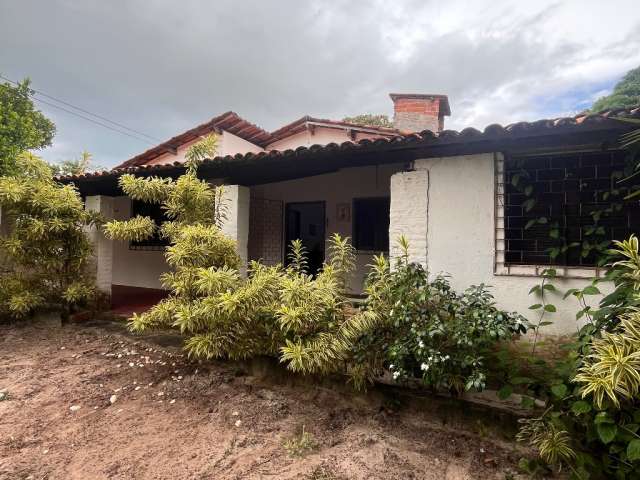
[{"x": 565, "y": 209}]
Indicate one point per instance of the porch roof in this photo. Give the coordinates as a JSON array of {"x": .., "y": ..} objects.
[{"x": 592, "y": 131}]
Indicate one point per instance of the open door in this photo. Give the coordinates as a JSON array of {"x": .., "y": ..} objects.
[{"x": 306, "y": 221}]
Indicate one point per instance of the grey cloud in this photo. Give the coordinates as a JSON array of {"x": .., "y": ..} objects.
[{"x": 163, "y": 66}]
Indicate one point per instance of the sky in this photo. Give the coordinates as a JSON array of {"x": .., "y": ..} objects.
[{"x": 161, "y": 67}]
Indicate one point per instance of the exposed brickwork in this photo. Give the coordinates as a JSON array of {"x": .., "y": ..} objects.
[
  {"x": 265, "y": 231},
  {"x": 416, "y": 113}
]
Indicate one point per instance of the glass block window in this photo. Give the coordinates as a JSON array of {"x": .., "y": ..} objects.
[{"x": 566, "y": 209}]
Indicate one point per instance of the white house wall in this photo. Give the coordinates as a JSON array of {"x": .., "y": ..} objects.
[
  {"x": 135, "y": 268},
  {"x": 460, "y": 238}
]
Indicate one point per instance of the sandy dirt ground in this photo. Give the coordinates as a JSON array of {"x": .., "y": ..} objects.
[{"x": 90, "y": 402}]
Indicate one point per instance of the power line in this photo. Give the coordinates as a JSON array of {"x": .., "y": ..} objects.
[
  {"x": 89, "y": 113},
  {"x": 92, "y": 120}
]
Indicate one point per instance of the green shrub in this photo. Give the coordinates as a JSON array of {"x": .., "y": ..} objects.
[
  {"x": 274, "y": 311},
  {"x": 592, "y": 423},
  {"x": 46, "y": 252},
  {"x": 426, "y": 330},
  {"x": 300, "y": 444}
]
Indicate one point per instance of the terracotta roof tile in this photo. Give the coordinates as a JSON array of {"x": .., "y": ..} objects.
[
  {"x": 581, "y": 122},
  {"x": 229, "y": 121}
]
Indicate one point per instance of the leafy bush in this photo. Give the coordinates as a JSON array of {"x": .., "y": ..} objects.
[
  {"x": 592, "y": 424},
  {"x": 46, "y": 252},
  {"x": 426, "y": 330},
  {"x": 274, "y": 311}
]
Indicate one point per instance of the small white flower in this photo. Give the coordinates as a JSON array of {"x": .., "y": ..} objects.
[
  {"x": 421, "y": 344},
  {"x": 447, "y": 357},
  {"x": 396, "y": 375},
  {"x": 391, "y": 367},
  {"x": 424, "y": 367}
]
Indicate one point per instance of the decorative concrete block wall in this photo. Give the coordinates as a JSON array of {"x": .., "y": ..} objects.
[
  {"x": 238, "y": 202},
  {"x": 409, "y": 214}
]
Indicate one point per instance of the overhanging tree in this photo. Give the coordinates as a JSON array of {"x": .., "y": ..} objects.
[
  {"x": 22, "y": 127},
  {"x": 626, "y": 93}
]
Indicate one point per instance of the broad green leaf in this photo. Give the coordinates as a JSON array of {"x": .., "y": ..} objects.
[
  {"x": 580, "y": 407},
  {"x": 571, "y": 291},
  {"x": 535, "y": 307},
  {"x": 590, "y": 290},
  {"x": 559, "y": 390},
  {"x": 535, "y": 288},
  {"x": 550, "y": 308},
  {"x": 607, "y": 431},
  {"x": 633, "y": 450}
]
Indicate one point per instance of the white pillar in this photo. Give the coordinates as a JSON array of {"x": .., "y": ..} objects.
[
  {"x": 103, "y": 247},
  {"x": 237, "y": 199},
  {"x": 409, "y": 214}
]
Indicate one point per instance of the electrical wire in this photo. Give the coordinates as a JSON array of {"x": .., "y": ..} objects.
[{"x": 134, "y": 133}]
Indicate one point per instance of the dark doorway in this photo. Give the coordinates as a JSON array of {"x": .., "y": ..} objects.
[{"x": 306, "y": 221}]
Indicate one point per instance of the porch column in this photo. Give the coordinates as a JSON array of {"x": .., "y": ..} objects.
[
  {"x": 236, "y": 226},
  {"x": 409, "y": 214},
  {"x": 102, "y": 246}
]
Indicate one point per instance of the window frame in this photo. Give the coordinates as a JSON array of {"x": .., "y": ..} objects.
[
  {"x": 501, "y": 268},
  {"x": 353, "y": 224}
]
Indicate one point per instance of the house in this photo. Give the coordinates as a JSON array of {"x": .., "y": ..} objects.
[{"x": 454, "y": 195}]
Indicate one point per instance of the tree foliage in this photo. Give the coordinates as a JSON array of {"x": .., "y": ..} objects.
[
  {"x": 22, "y": 127},
  {"x": 626, "y": 93},
  {"x": 370, "y": 120},
  {"x": 46, "y": 252},
  {"x": 77, "y": 166}
]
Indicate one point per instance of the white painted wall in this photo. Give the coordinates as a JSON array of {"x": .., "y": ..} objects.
[
  {"x": 237, "y": 199},
  {"x": 336, "y": 188},
  {"x": 136, "y": 268},
  {"x": 461, "y": 231},
  {"x": 102, "y": 246}
]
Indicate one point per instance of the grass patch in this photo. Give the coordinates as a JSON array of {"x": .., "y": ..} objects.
[{"x": 300, "y": 444}]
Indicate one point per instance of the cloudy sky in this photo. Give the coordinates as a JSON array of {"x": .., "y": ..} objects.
[{"x": 161, "y": 67}]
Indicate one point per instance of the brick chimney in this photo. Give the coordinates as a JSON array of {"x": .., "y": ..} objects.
[{"x": 418, "y": 112}]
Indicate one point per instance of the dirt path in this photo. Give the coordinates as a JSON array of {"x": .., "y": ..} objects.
[{"x": 172, "y": 419}]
